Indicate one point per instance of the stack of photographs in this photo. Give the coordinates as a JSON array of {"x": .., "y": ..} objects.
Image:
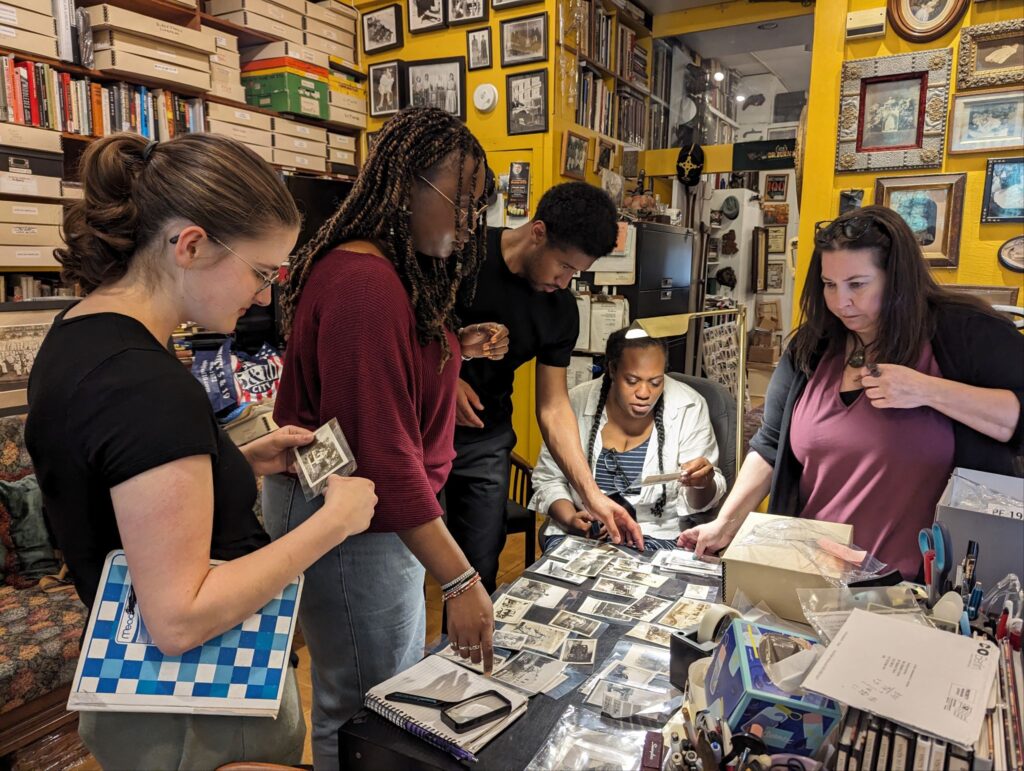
[
  {"x": 542, "y": 637},
  {"x": 448, "y": 653},
  {"x": 510, "y": 610},
  {"x": 685, "y": 614},
  {"x": 619, "y": 588},
  {"x": 680, "y": 561},
  {"x": 556, "y": 570},
  {"x": 612, "y": 610},
  {"x": 530, "y": 672},
  {"x": 652, "y": 633},
  {"x": 587, "y": 627},
  {"x": 539, "y": 593}
]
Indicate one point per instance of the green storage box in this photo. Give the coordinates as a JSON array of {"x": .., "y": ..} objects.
[{"x": 287, "y": 92}]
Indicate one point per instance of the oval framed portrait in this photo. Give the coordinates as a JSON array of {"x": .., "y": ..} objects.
[
  {"x": 920, "y": 21},
  {"x": 1011, "y": 254}
]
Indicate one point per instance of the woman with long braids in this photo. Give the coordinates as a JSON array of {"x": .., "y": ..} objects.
[
  {"x": 635, "y": 422},
  {"x": 373, "y": 343}
]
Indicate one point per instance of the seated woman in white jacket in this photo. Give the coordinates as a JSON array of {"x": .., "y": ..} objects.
[{"x": 635, "y": 422}]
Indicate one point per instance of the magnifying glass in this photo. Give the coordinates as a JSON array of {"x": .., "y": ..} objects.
[{"x": 465, "y": 715}]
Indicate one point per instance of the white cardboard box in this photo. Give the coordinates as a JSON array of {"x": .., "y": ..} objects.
[
  {"x": 261, "y": 7},
  {"x": 347, "y": 117},
  {"x": 239, "y": 116},
  {"x": 30, "y": 137},
  {"x": 300, "y": 145},
  {"x": 29, "y": 184},
  {"x": 233, "y": 91},
  {"x": 223, "y": 40},
  {"x": 40, "y": 23},
  {"x": 28, "y": 42},
  {"x": 128, "y": 43},
  {"x": 28, "y": 234},
  {"x": 244, "y": 134},
  {"x": 341, "y": 141},
  {"x": 300, "y": 130},
  {"x": 31, "y": 213},
  {"x": 288, "y": 49},
  {"x": 119, "y": 63},
  {"x": 109, "y": 16},
  {"x": 25, "y": 257},
  {"x": 300, "y": 160},
  {"x": 334, "y": 155},
  {"x": 263, "y": 24},
  {"x": 329, "y": 47},
  {"x": 266, "y": 153}
]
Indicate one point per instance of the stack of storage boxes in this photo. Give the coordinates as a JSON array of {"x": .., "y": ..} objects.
[
  {"x": 31, "y": 164},
  {"x": 347, "y": 100},
  {"x": 281, "y": 18},
  {"x": 226, "y": 67},
  {"x": 286, "y": 77},
  {"x": 300, "y": 146},
  {"x": 28, "y": 25},
  {"x": 250, "y": 128},
  {"x": 134, "y": 45},
  {"x": 331, "y": 27},
  {"x": 341, "y": 154}
]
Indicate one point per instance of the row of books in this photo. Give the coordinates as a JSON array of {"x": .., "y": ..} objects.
[
  {"x": 661, "y": 71},
  {"x": 594, "y": 102},
  {"x": 35, "y": 94},
  {"x": 601, "y": 38},
  {"x": 631, "y": 57},
  {"x": 631, "y": 112},
  {"x": 659, "y": 129}
]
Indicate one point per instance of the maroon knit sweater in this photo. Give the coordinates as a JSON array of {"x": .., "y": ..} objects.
[{"x": 353, "y": 355}]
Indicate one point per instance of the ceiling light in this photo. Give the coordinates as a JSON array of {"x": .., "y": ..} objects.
[
  {"x": 740, "y": 98},
  {"x": 768, "y": 25},
  {"x": 719, "y": 77}
]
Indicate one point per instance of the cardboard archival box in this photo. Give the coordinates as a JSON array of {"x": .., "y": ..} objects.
[
  {"x": 300, "y": 160},
  {"x": 110, "y": 60},
  {"x": 341, "y": 141},
  {"x": 299, "y": 6},
  {"x": 233, "y": 91},
  {"x": 329, "y": 31},
  {"x": 71, "y": 191},
  {"x": 301, "y": 130},
  {"x": 226, "y": 59},
  {"x": 348, "y": 118},
  {"x": 40, "y": 23},
  {"x": 242, "y": 117},
  {"x": 344, "y": 10},
  {"x": 30, "y": 137},
  {"x": 261, "y": 7},
  {"x": 127, "y": 43},
  {"x": 25, "y": 257},
  {"x": 286, "y": 49},
  {"x": 224, "y": 75},
  {"x": 29, "y": 184},
  {"x": 244, "y": 134},
  {"x": 773, "y": 573},
  {"x": 26, "y": 234},
  {"x": 26, "y": 213},
  {"x": 263, "y": 24},
  {"x": 999, "y": 533},
  {"x": 223, "y": 40},
  {"x": 28, "y": 42},
  {"x": 112, "y": 17},
  {"x": 326, "y": 15},
  {"x": 348, "y": 101},
  {"x": 298, "y": 145},
  {"x": 341, "y": 156},
  {"x": 329, "y": 47},
  {"x": 266, "y": 153},
  {"x": 45, "y": 7}
]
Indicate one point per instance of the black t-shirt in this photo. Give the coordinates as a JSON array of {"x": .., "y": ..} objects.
[
  {"x": 544, "y": 325},
  {"x": 106, "y": 403}
]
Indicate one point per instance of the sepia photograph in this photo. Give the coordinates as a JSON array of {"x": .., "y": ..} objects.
[
  {"x": 991, "y": 55},
  {"x": 589, "y": 564},
  {"x": 570, "y": 548},
  {"x": 385, "y": 79},
  {"x": 647, "y": 608},
  {"x": 1004, "y": 190},
  {"x": 439, "y": 83},
  {"x": 529, "y": 671},
  {"x": 478, "y": 48},
  {"x": 508, "y": 638},
  {"x": 892, "y": 111},
  {"x": 685, "y": 614},
  {"x": 19, "y": 344},
  {"x": 604, "y": 158},
  {"x": 542, "y": 637},
  {"x": 321, "y": 458},
  {"x": 987, "y": 121},
  {"x": 574, "y": 155},
  {"x": 556, "y": 570},
  {"x": 467, "y": 11},
  {"x": 999, "y": 54},
  {"x": 619, "y": 588},
  {"x": 635, "y": 576},
  {"x": 651, "y": 633},
  {"x": 527, "y": 95},
  {"x": 510, "y": 610},
  {"x": 614, "y": 610},
  {"x": 524, "y": 40},
  {"x": 776, "y": 283},
  {"x": 540, "y": 593},
  {"x": 579, "y": 651},
  {"x": 585, "y": 626},
  {"x": 382, "y": 29},
  {"x": 425, "y": 15}
]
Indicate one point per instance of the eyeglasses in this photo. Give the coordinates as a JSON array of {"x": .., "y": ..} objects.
[
  {"x": 851, "y": 229},
  {"x": 266, "y": 279},
  {"x": 477, "y": 213},
  {"x": 619, "y": 478}
]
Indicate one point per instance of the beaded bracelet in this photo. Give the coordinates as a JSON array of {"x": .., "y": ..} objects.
[
  {"x": 461, "y": 589},
  {"x": 462, "y": 582},
  {"x": 458, "y": 580}
]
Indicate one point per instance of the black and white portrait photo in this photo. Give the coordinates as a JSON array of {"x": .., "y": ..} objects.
[
  {"x": 1004, "y": 190},
  {"x": 527, "y": 94},
  {"x": 478, "y": 48},
  {"x": 385, "y": 79},
  {"x": 382, "y": 29},
  {"x": 466, "y": 11},
  {"x": 891, "y": 113},
  {"x": 320, "y": 458},
  {"x": 524, "y": 40},
  {"x": 425, "y": 15},
  {"x": 439, "y": 83}
]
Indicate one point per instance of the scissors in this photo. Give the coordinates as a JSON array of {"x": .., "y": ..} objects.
[{"x": 936, "y": 539}]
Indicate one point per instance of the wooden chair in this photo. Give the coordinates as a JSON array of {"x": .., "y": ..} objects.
[{"x": 519, "y": 518}]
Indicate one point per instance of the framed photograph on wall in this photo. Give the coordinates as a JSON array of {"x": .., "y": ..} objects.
[
  {"x": 382, "y": 29},
  {"x": 892, "y": 111},
  {"x": 467, "y": 11},
  {"x": 759, "y": 258},
  {"x": 920, "y": 21},
  {"x": 478, "y": 49},
  {"x": 527, "y": 96},
  {"x": 500, "y": 5},
  {"x": 984, "y": 121},
  {"x": 991, "y": 55},
  {"x": 425, "y": 15},
  {"x": 385, "y": 88},
  {"x": 776, "y": 239},
  {"x": 932, "y": 205},
  {"x": 604, "y": 158},
  {"x": 775, "y": 213},
  {"x": 524, "y": 40},
  {"x": 438, "y": 83},
  {"x": 775, "y": 281},
  {"x": 776, "y": 187},
  {"x": 1004, "y": 190},
  {"x": 574, "y": 155}
]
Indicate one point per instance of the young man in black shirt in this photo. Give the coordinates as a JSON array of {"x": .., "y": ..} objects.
[{"x": 523, "y": 284}]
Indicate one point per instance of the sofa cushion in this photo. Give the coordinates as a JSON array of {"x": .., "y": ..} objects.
[
  {"x": 23, "y": 532},
  {"x": 39, "y": 635}
]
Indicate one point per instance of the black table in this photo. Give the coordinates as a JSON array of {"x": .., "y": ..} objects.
[{"x": 371, "y": 743}]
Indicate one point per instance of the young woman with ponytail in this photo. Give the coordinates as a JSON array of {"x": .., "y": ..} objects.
[
  {"x": 635, "y": 422},
  {"x": 124, "y": 441},
  {"x": 374, "y": 343}
]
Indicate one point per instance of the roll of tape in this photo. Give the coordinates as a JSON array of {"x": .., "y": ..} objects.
[{"x": 713, "y": 617}]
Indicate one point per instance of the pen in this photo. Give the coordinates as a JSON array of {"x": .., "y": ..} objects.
[
  {"x": 975, "y": 601},
  {"x": 970, "y": 562}
]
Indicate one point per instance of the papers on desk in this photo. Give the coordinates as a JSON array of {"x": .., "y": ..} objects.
[
  {"x": 619, "y": 267},
  {"x": 930, "y": 680},
  {"x": 606, "y": 316}
]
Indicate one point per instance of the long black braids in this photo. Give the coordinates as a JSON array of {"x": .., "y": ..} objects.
[
  {"x": 378, "y": 210},
  {"x": 618, "y": 342}
]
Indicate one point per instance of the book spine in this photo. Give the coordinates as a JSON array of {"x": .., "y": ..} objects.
[{"x": 417, "y": 729}]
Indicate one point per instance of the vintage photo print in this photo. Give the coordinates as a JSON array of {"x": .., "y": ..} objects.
[
  {"x": 572, "y": 547},
  {"x": 647, "y": 608},
  {"x": 556, "y": 570},
  {"x": 574, "y": 155},
  {"x": 385, "y": 79},
  {"x": 585, "y": 626},
  {"x": 540, "y": 593},
  {"x": 524, "y": 40},
  {"x": 541, "y": 637},
  {"x": 510, "y": 610},
  {"x": 1004, "y": 190},
  {"x": 467, "y": 11},
  {"x": 448, "y": 653},
  {"x": 527, "y": 94},
  {"x": 425, "y": 15},
  {"x": 478, "y": 49},
  {"x": 382, "y": 29},
  {"x": 987, "y": 121},
  {"x": 892, "y": 112},
  {"x": 589, "y": 563},
  {"x": 652, "y": 633},
  {"x": 604, "y": 158},
  {"x": 508, "y": 638},
  {"x": 613, "y": 610},
  {"x": 439, "y": 83},
  {"x": 328, "y": 453},
  {"x": 529, "y": 671},
  {"x": 647, "y": 658},
  {"x": 579, "y": 651},
  {"x": 652, "y": 580},
  {"x": 620, "y": 672},
  {"x": 685, "y": 614},
  {"x": 619, "y": 588}
]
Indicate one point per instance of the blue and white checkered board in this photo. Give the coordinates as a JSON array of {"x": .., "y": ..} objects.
[{"x": 238, "y": 672}]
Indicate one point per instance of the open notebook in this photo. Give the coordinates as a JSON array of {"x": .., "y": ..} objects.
[{"x": 448, "y": 681}]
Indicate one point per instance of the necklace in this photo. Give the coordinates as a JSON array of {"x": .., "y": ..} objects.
[{"x": 858, "y": 358}]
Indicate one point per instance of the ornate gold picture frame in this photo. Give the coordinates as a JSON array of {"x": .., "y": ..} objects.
[{"x": 991, "y": 55}]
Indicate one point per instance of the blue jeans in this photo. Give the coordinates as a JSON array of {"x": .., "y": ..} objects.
[{"x": 362, "y": 614}]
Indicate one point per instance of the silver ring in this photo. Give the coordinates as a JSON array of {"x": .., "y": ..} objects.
[
  {"x": 474, "y": 647},
  {"x": 465, "y": 648}
]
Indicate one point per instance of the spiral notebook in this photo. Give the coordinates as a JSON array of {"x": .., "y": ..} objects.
[{"x": 448, "y": 681}]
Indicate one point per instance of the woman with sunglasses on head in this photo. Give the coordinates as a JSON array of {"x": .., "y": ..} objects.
[
  {"x": 374, "y": 342},
  {"x": 635, "y": 422},
  {"x": 124, "y": 441},
  {"x": 889, "y": 383}
]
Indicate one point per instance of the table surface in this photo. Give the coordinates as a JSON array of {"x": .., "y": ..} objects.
[{"x": 368, "y": 741}]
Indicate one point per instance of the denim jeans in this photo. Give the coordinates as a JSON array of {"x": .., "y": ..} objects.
[{"x": 362, "y": 614}]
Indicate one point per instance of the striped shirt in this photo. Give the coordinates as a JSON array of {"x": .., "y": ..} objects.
[{"x": 616, "y": 472}]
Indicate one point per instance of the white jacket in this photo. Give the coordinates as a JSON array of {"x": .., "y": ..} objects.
[{"x": 688, "y": 435}]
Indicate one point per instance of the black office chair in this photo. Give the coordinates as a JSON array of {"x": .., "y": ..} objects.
[{"x": 518, "y": 518}]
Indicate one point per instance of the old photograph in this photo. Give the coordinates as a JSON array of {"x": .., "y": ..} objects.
[
  {"x": 891, "y": 113},
  {"x": 321, "y": 458},
  {"x": 579, "y": 651},
  {"x": 540, "y": 593},
  {"x": 679, "y": 561},
  {"x": 646, "y": 579},
  {"x": 1004, "y": 190},
  {"x": 382, "y": 29},
  {"x": 619, "y": 588},
  {"x": 919, "y": 210},
  {"x": 524, "y": 40},
  {"x": 19, "y": 345},
  {"x": 650, "y": 659},
  {"x": 542, "y": 637},
  {"x": 510, "y": 610},
  {"x": 647, "y": 608},
  {"x": 988, "y": 121},
  {"x": 448, "y": 653},
  {"x": 478, "y": 48},
  {"x": 425, "y": 15},
  {"x": 467, "y": 11},
  {"x": 651, "y": 633},
  {"x": 508, "y": 638},
  {"x": 384, "y": 82},
  {"x": 613, "y": 610},
  {"x": 685, "y": 614},
  {"x": 529, "y": 671},
  {"x": 556, "y": 570},
  {"x": 439, "y": 83},
  {"x": 589, "y": 563},
  {"x": 574, "y": 155},
  {"x": 604, "y": 158},
  {"x": 620, "y": 672},
  {"x": 999, "y": 54},
  {"x": 527, "y": 94},
  {"x": 570, "y": 548},
  {"x": 585, "y": 626}
]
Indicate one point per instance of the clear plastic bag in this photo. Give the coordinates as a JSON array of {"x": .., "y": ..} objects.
[
  {"x": 826, "y": 610},
  {"x": 977, "y": 497},
  {"x": 632, "y": 685},
  {"x": 584, "y": 740},
  {"x": 838, "y": 564}
]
